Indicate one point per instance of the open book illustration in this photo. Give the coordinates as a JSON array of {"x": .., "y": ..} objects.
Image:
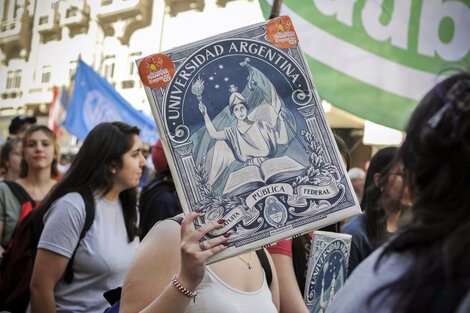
[
  {"x": 327, "y": 268},
  {"x": 245, "y": 135},
  {"x": 252, "y": 177}
]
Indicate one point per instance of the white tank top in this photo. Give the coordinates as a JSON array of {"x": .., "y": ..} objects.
[{"x": 215, "y": 296}]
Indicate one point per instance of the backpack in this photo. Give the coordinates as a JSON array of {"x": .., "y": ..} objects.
[
  {"x": 113, "y": 296},
  {"x": 18, "y": 259}
]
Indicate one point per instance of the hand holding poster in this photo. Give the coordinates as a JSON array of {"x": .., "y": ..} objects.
[{"x": 245, "y": 136}]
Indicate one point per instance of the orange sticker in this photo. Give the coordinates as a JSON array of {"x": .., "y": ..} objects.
[
  {"x": 281, "y": 33},
  {"x": 156, "y": 70}
]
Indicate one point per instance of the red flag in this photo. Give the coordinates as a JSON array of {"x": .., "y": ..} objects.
[{"x": 57, "y": 110}]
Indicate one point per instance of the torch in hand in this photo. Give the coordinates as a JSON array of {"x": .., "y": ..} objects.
[{"x": 197, "y": 88}]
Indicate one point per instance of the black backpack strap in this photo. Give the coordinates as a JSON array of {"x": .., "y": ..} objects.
[
  {"x": 19, "y": 192},
  {"x": 89, "y": 200},
  {"x": 263, "y": 258}
]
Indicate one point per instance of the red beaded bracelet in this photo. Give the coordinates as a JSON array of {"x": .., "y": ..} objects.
[{"x": 186, "y": 292}]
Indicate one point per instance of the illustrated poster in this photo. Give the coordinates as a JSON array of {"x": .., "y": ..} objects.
[
  {"x": 246, "y": 137},
  {"x": 327, "y": 269}
]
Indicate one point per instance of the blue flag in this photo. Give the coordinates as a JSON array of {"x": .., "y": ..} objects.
[{"x": 94, "y": 101}]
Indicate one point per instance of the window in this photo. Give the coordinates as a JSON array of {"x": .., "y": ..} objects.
[
  {"x": 13, "y": 79},
  {"x": 132, "y": 65},
  {"x": 108, "y": 67},
  {"x": 10, "y": 77},
  {"x": 46, "y": 74}
]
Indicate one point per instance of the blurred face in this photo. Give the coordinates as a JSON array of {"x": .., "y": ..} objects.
[
  {"x": 240, "y": 111},
  {"x": 146, "y": 149},
  {"x": 39, "y": 151},
  {"x": 132, "y": 163},
  {"x": 14, "y": 159},
  {"x": 396, "y": 185}
]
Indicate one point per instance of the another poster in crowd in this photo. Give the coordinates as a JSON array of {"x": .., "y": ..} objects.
[
  {"x": 327, "y": 269},
  {"x": 246, "y": 137}
]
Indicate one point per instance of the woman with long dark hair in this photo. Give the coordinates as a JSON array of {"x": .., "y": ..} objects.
[
  {"x": 109, "y": 164},
  {"x": 372, "y": 228},
  {"x": 425, "y": 267}
]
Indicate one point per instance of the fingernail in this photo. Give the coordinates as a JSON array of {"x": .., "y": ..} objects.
[
  {"x": 221, "y": 221},
  {"x": 227, "y": 235},
  {"x": 225, "y": 244},
  {"x": 198, "y": 211}
]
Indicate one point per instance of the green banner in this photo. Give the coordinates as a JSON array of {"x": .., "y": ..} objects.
[{"x": 377, "y": 58}]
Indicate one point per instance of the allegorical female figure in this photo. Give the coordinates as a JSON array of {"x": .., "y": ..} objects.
[{"x": 250, "y": 141}]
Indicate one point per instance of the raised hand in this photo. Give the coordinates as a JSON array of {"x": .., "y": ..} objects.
[
  {"x": 194, "y": 253},
  {"x": 202, "y": 108}
]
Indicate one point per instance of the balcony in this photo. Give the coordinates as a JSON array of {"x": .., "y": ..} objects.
[
  {"x": 75, "y": 16},
  {"x": 177, "y": 6},
  {"x": 48, "y": 25},
  {"x": 123, "y": 17},
  {"x": 15, "y": 37}
]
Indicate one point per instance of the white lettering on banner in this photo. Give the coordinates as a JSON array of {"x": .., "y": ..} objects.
[
  {"x": 431, "y": 15},
  {"x": 405, "y": 81},
  {"x": 97, "y": 109},
  {"x": 342, "y": 8},
  {"x": 397, "y": 28},
  {"x": 433, "y": 11}
]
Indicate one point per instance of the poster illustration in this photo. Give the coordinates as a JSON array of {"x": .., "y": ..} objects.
[
  {"x": 327, "y": 269},
  {"x": 245, "y": 135}
]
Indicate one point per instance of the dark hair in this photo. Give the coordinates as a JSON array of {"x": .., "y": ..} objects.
[
  {"x": 375, "y": 219},
  {"x": 7, "y": 147},
  {"x": 101, "y": 151},
  {"x": 436, "y": 154},
  {"x": 299, "y": 252},
  {"x": 344, "y": 150},
  {"x": 50, "y": 134}
]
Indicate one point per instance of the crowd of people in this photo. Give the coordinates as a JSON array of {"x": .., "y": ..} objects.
[{"x": 112, "y": 218}]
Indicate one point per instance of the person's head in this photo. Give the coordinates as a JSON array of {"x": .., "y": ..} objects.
[
  {"x": 159, "y": 160},
  {"x": 10, "y": 158},
  {"x": 239, "y": 111},
  {"x": 110, "y": 156},
  {"x": 344, "y": 151},
  {"x": 379, "y": 182},
  {"x": 40, "y": 151},
  {"x": 436, "y": 154},
  {"x": 146, "y": 149},
  {"x": 106, "y": 155},
  {"x": 377, "y": 177},
  {"x": 357, "y": 177},
  {"x": 20, "y": 124}
]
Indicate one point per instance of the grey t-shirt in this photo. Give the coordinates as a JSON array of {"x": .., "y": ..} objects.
[
  {"x": 364, "y": 281},
  {"x": 102, "y": 257}
]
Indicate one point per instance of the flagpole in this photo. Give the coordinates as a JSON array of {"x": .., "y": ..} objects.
[{"x": 275, "y": 9}]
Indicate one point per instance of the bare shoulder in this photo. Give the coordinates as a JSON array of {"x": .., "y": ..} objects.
[
  {"x": 155, "y": 261},
  {"x": 164, "y": 237}
]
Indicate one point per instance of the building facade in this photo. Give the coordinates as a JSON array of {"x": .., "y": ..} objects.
[{"x": 41, "y": 42}]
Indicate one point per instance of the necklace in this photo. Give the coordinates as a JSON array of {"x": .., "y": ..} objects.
[{"x": 247, "y": 263}]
